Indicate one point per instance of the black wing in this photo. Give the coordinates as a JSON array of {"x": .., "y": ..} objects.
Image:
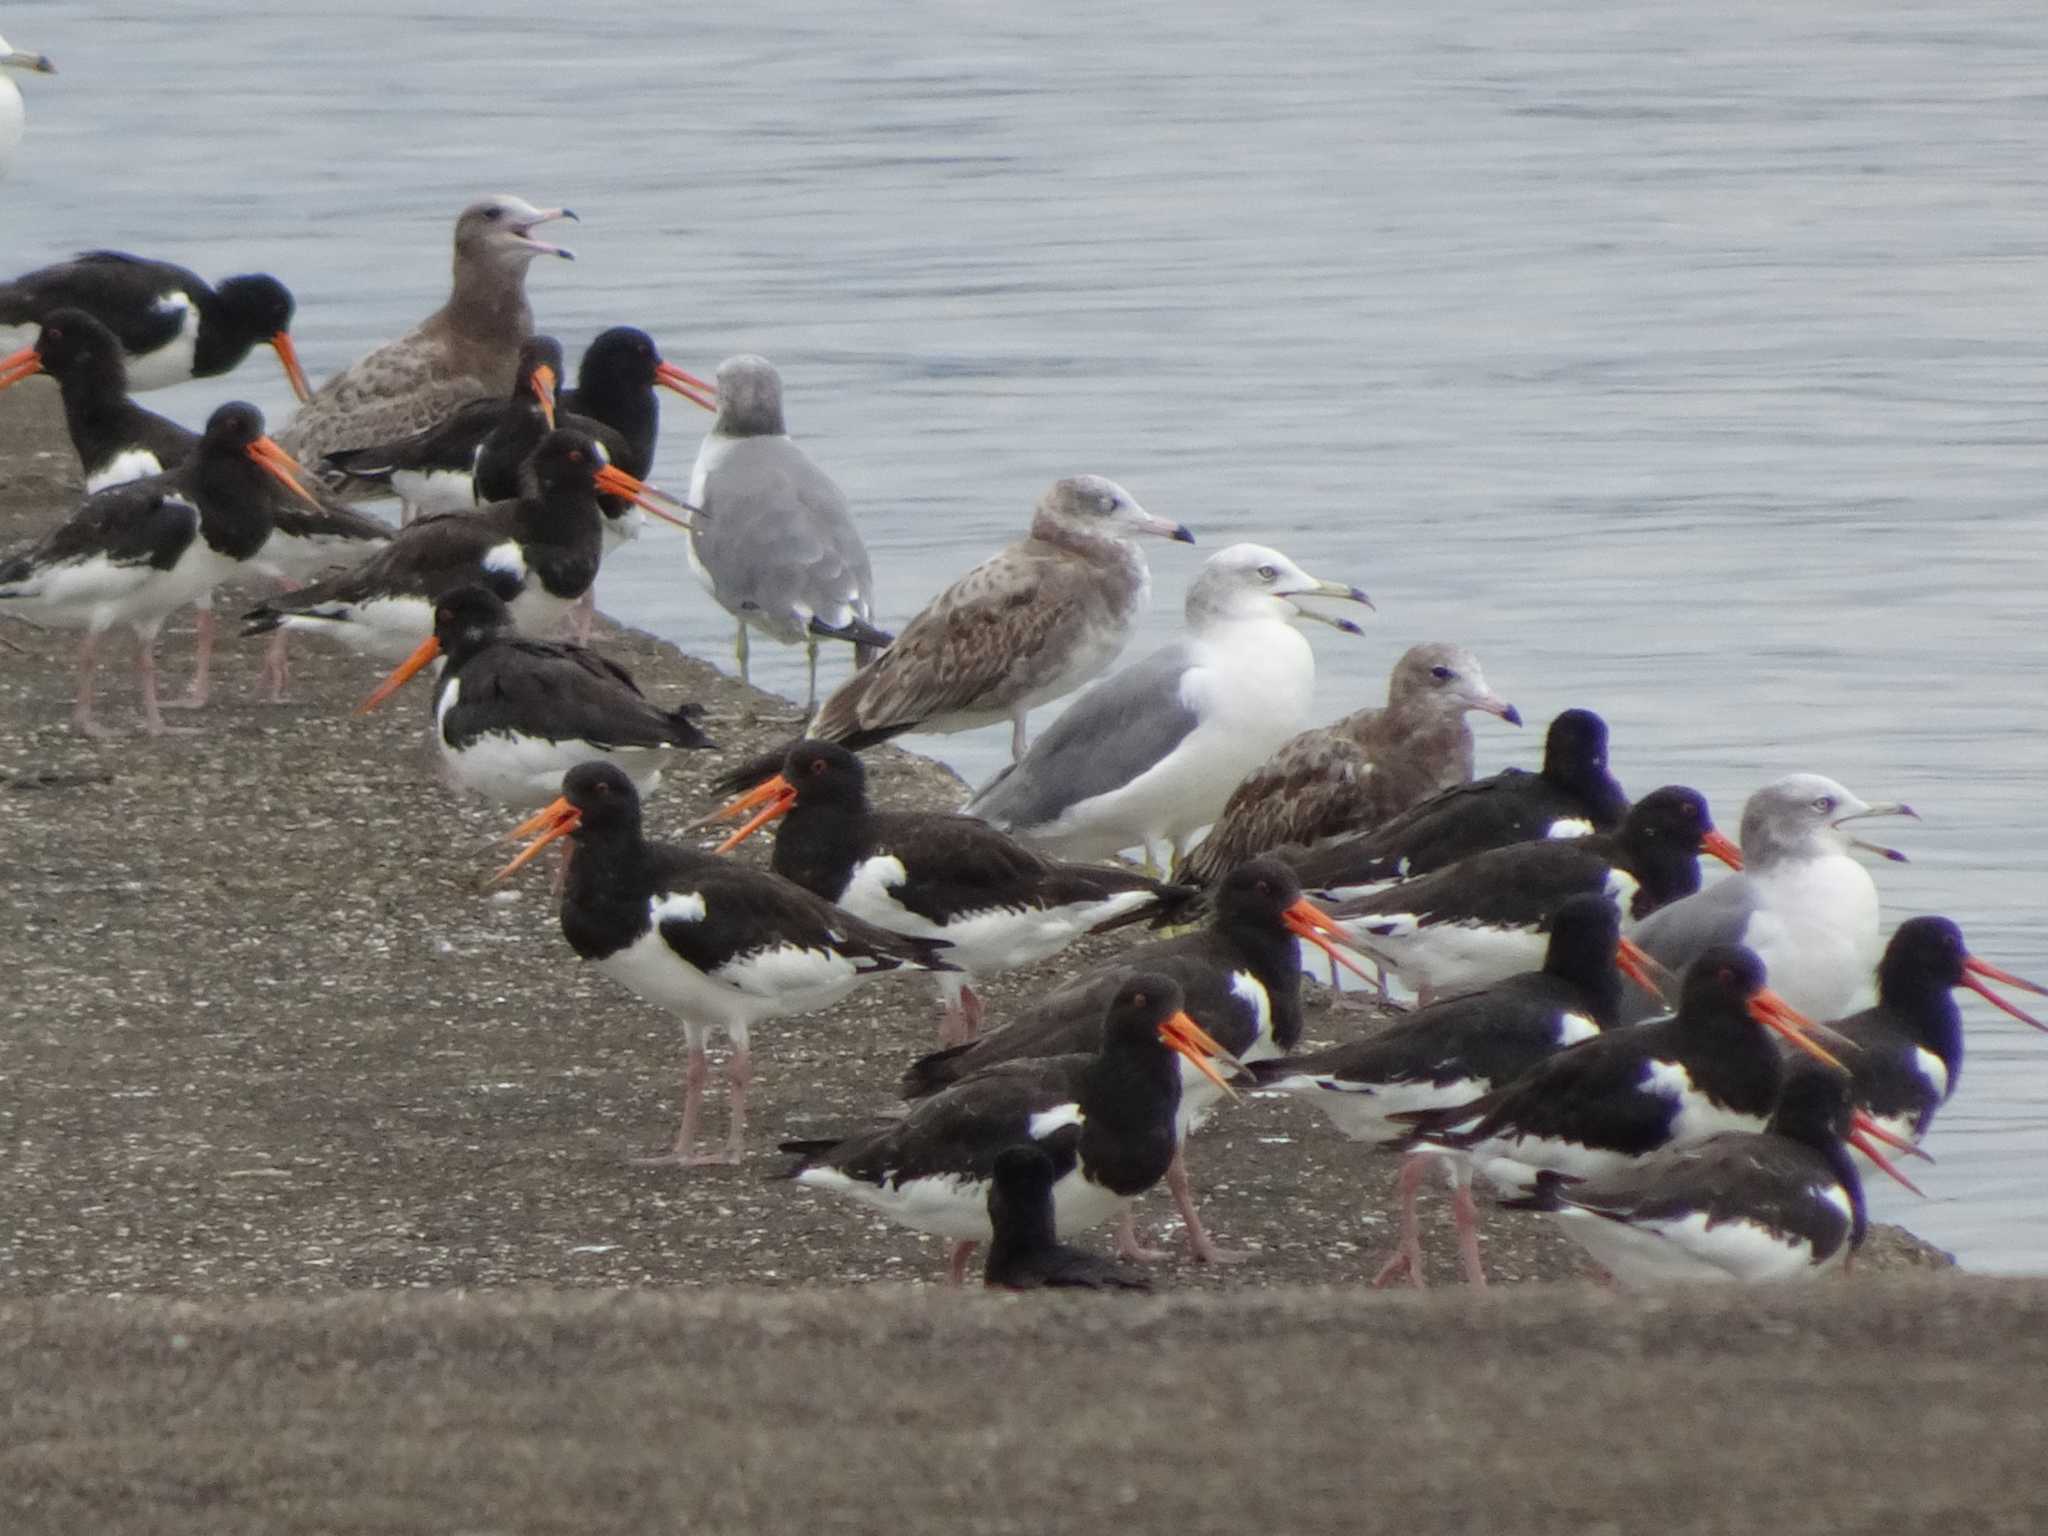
[
  {"x": 116, "y": 289},
  {"x": 146, "y": 522}
]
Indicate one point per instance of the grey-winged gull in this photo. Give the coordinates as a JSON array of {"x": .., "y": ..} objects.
[
  {"x": 466, "y": 348},
  {"x": 1360, "y": 771},
  {"x": 776, "y": 545},
  {"x": 13, "y": 117},
  {"x": 1801, "y": 902},
  {"x": 1151, "y": 754}
]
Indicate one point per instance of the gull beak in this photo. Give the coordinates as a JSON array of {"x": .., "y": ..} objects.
[
  {"x": 16, "y": 366},
  {"x": 543, "y": 384},
  {"x": 1307, "y": 921},
  {"x": 1336, "y": 589},
  {"x": 403, "y": 673},
  {"x": 1782, "y": 1019},
  {"x": 1165, "y": 528},
  {"x": 281, "y": 467},
  {"x": 614, "y": 481},
  {"x": 1494, "y": 704},
  {"x": 1184, "y": 1035},
  {"x": 1886, "y": 808},
  {"x": 555, "y": 820},
  {"x": 287, "y": 354},
  {"x": 1719, "y": 845},
  {"x": 776, "y": 797},
  {"x": 1974, "y": 969},
  {"x": 34, "y": 63},
  {"x": 1642, "y": 968},
  {"x": 524, "y": 230},
  {"x": 688, "y": 385},
  {"x": 1866, "y": 1135}
]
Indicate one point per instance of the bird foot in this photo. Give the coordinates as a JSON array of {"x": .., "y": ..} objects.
[
  {"x": 158, "y": 728},
  {"x": 1205, "y": 1251},
  {"x": 91, "y": 729},
  {"x": 1131, "y": 1251},
  {"x": 1405, "y": 1264},
  {"x": 724, "y": 1157}
]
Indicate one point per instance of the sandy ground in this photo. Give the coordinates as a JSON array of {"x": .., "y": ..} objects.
[{"x": 275, "y": 1065}]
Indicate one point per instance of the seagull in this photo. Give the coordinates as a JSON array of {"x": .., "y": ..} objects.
[
  {"x": 1151, "y": 754},
  {"x": 723, "y": 945},
  {"x": 1024, "y": 1252},
  {"x": 135, "y": 553},
  {"x": 1801, "y": 902},
  {"x": 12, "y": 114},
  {"x": 512, "y": 714},
  {"x": 932, "y": 875},
  {"x": 466, "y": 348},
  {"x": 778, "y": 548},
  {"x": 1361, "y": 771},
  {"x": 173, "y": 325}
]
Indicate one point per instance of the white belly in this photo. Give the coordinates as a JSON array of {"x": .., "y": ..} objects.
[
  {"x": 171, "y": 363},
  {"x": 1817, "y": 934},
  {"x": 431, "y": 491},
  {"x": 957, "y": 1207}
]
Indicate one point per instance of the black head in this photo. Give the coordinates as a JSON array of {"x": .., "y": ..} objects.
[
  {"x": 1257, "y": 891},
  {"x": 825, "y": 773},
  {"x": 567, "y": 462},
  {"x": 1815, "y": 1105},
  {"x": 72, "y": 344},
  {"x": 624, "y": 356},
  {"x": 1925, "y": 952},
  {"x": 1575, "y": 747},
  {"x": 468, "y": 617},
  {"x": 535, "y": 353},
  {"x": 256, "y": 305},
  {"x": 602, "y": 795},
  {"x": 1723, "y": 979},
  {"x": 1584, "y": 934},
  {"x": 232, "y": 428},
  {"x": 1673, "y": 818},
  {"x": 1142, "y": 1004},
  {"x": 1023, "y": 1174}
]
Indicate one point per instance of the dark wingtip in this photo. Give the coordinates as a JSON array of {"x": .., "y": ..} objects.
[
  {"x": 858, "y": 630},
  {"x": 260, "y": 621},
  {"x": 754, "y": 771},
  {"x": 1548, "y": 1195}
]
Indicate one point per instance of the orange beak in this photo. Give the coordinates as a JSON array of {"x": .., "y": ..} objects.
[
  {"x": 688, "y": 385},
  {"x": 1642, "y": 968},
  {"x": 1184, "y": 1035},
  {"x": 1866, "y": 1135},
  {"x": 1973, "y": 968},
  {"x": 16, "y": 366},
  {"x": 614, "y": 481},
  {"x": 402, "y": 674},
  {"x": 1717, "y": 844},
  {"x": 281, "y": 466},
  {"x": 543, "y": 383},
  {"x": 776, "y": 797},
  {"x": 1877, "y": 1133},
  {"x": 289, "y": 356},
  {"x": 554, "y": 820},
  {"x": 1781, "y": 1018},
  {"x": 1307, "y": 921}
]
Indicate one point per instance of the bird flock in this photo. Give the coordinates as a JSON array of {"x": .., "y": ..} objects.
[{"x": 1675, "y": 1072}]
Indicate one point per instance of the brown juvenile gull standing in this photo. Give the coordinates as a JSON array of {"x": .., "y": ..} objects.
[
  {"x": 1352, "y": 775},
  {"x": 777, "y": 546},
  {"x": 466, "y": 348}
]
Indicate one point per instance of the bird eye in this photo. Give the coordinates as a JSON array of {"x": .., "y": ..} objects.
[
  {"x": 1267, "y": 573},
  {"x": 817, "y": 766},
  {"x": 1824, "y": 804},
  {"x": 1265, "y": 887},
  {"x": 1442, "y": 674},
  {"x": 490, "y": 213},
  {"x": 1141, "y": 998},
  {"x": 1107, "y": 504}
]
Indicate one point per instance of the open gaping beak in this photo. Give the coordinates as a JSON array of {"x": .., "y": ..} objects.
[
  {"x": 1887, "y": 808},
  {"x": 1718, "y": 844},
  {"x": 688, "y": 385},
  {"x": 776, "y": 797},
  {"x": 1782, "y": 1019},
  {"x": 280, "y": 466},
  {"x": 1642, "y": 968},
  {"x": 557, "y": 819},
  {"x": 403, "y": 673},
  {"x": 16, "y": 366},
  {"x": 1336, "y": 589},
  {"x": 1867, "y": 1136},
  {"x": 288, "y": 354},
  {"x": 1973, "y": 969},
  {"x": 1309, "y": 922},
  {"x": 543, "y": 385},
  {"x": 1184, "y": 1035},
  {"x": 614, "y": 481},
  {"x": 524, "y": 230}
]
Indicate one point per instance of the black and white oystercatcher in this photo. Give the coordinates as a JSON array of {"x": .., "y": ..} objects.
[
  {"x": 172, "y": 324},
  {"x": 1108, "y": 1119},
  {"x": 1240, "y": 977},
  {"x": 539, "y": 553},
  {"x": 1025, "y": 1254},
  {"x": 720, "y": 944},
  {"x": 1361, "y": 771},
  {"x": 135, "y": 553},
  {"x": 1455, "y": 1052},
  {"x": 1783, "y": 1203},
  {"x": 1572, "y": 795},
  {"x": 467, "y": 348},
  {"x": 512, "y": 714},
  {"x": 1909, "y": 1044},
  {"x": 931, "y": 875},
  {"x": 1485, "y": 918}
]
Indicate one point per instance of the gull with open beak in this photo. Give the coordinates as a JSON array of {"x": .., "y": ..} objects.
[
  {"x": 1801, "y": 901},
  {"x": 718, "y": 943},
  {"x": 1150, "y": 755},
  {"x": 134, "y": 554},
  {"x": 467, "y": 348},
  {"x": 1109, "y": 1119}
]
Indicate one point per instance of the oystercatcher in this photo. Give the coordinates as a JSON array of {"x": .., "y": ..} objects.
[
  {"x": 930, "y": 875},
  {"x": 135, "y": 553},
  {"x": 1025, "y": 1253},
  {"x": 1109, "y": 1121},
  {"x": 722, "y": 945},
  {"x": 512, "y": 714}
]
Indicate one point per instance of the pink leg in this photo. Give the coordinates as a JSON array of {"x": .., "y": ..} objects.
[
  {"x": 739, "y": 1072},
  {"x": 696, "y": 1072},
  {"x": 1128, "y": 1247},
  {"x": 583, "y": 615},
  {"x": 152, "y": 711},
  {"x": 202, "y": 662},
  {"x": 956, "y": 1262},
  {"x": 276, "y": 674},
  {"x": 1200, "y": 1244},
  {"x": 81, "y": 712},
  {"x": 1465, "y": 1211},
  {"x": 959, "y": 1011},
  {"x": 1407, "y": 1259}
]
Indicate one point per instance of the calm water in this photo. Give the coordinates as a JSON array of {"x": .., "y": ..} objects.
[{"x": 1687, "y": 362}]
